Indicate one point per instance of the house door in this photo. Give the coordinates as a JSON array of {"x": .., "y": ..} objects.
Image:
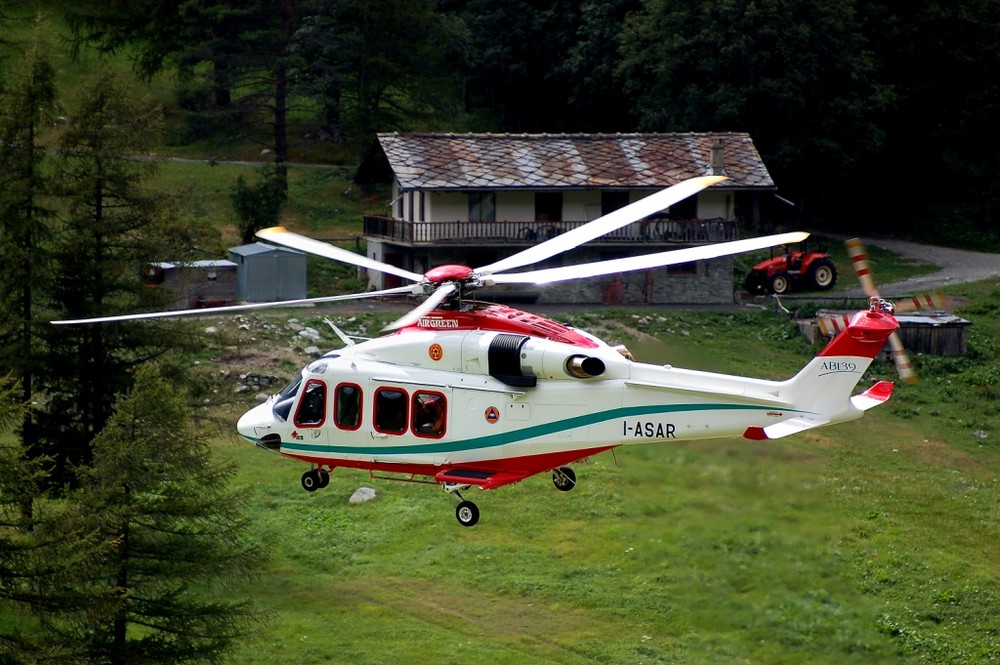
[{"x": 392, "y": 281}]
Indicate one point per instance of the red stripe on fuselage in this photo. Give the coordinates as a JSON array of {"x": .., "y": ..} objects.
[{"x": 513, "y": 469}]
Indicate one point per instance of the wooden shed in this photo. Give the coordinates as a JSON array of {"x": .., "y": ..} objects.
[
  {"x": 194, "y": 284},
  {"x": 266, "y": 273},
  {"x": 933, "y": 333}
]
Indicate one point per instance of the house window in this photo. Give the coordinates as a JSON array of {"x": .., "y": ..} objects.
[
  {"x": 421, "y": 214},
  {"x": 686, "y": 209},
  {"x": 482, "y": 207},
  {"x": 548, "y": 206},
  {"x": 611, "y": 201},
  {"x": 682, "y": 269},
  {"x": 390, "y": 410},
  {"x": 347, "y": 406}
]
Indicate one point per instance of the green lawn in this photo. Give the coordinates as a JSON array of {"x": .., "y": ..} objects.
[{"x": 868, "y": 542}]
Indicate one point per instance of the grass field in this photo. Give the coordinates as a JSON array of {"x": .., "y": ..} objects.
[{"x": 870, "y": 542}]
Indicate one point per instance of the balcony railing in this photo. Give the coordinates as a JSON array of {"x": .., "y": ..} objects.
[{"x": 657, "y": 231}]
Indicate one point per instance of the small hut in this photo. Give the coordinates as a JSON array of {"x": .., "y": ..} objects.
[
  {"x": 194, "y": 284},
  {"x": 266, "y": 273}
]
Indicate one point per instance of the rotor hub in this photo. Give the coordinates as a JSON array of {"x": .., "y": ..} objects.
[{"x": 450, "y": 272}]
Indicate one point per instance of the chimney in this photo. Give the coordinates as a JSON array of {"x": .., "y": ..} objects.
[{"x": 718, "y": 157}]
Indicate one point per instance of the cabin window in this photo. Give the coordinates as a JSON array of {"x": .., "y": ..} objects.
[
  {"x": 312, "y": 405},
  {"x": 347, "y": 406},
  {"x": 482, "y": 207},
  {"x": 390, "y": 410},
  {"x": 283, "y": 403},
  {"x": 429, "y": 411}
]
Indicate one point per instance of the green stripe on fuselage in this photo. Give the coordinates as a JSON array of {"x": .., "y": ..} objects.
[{"x": 531, "y": 432}]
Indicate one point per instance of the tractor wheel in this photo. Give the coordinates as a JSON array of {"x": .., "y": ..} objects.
[
  {"x": 754, "y": 282},
  {"x": 823, "y": 274},
  {"x": 779, "y": 283}
]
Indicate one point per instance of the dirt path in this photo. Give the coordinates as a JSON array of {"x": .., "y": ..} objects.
[{"x": 956, "y": 267}]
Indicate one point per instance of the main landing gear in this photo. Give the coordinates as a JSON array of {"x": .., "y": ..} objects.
[{"x": 467, "y": 512}]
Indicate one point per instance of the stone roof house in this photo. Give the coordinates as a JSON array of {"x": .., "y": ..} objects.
[{"x": 475, "y": 198}]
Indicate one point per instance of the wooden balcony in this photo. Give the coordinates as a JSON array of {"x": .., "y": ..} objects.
[{"x": 647, "y": 232}]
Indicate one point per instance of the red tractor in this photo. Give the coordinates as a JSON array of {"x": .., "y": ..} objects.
[{"x": 799, "y": 269}]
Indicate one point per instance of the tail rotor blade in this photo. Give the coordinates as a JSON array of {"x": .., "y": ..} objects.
[
  {"x": 931, "y": 301},
  {"x": 902, "y": 360},
  {"x": 859, "y": 259}
]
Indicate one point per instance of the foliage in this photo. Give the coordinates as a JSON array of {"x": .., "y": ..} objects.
[
  {"x": 259, "y": 205},
  {"x": 156, "y": 526},
  {"x": 111, "y": 224}
]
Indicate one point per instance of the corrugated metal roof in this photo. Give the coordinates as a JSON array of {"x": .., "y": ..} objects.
[
  {"x": 256, "y": 248},
  {"x": 569, "y": 161}
]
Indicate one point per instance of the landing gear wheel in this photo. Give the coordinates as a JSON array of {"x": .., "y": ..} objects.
[
  {"x": 324, "y": 478},
  {"x": 564, "y": 478},
  {"x": 467, "y": 513},
  {"x": 311, "y": 480},
  {"x": 824, "y": 274},
  {"x": 779, "y": 283}
]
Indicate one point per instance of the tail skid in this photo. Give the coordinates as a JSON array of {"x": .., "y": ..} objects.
[{"x": 822, "y": 390}]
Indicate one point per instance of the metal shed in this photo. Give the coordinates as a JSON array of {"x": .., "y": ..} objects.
[{"x": 266, "y": 273}]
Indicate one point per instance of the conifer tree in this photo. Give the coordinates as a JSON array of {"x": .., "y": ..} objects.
[
  {"x": 160, "y": 534},
  {"x": 111, "y": 225}
]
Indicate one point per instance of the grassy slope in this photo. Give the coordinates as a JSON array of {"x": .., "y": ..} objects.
[
  {"x": 873, "y": 541},
  {"x": 869, "y": 542}
]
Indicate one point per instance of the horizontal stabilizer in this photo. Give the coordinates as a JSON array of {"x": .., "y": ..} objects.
[
  {"x": 874, "y": 396},
  {"x": 782, "y": 429}
]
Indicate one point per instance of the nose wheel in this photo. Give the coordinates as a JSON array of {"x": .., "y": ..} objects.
[{"x": 315, "y": 479}]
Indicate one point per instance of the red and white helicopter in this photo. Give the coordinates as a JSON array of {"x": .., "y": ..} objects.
[{"x": 467, "y": 394}]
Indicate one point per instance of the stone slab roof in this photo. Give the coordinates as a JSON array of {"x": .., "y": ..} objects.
[{"x": 569, "y": 161}]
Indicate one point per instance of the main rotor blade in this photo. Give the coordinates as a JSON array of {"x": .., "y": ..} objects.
[
  {"x": 613, "y": 221},
  {"x": 439, "y": 296},
  {"x": 646, "y": 261},
  {"x": 209, "y": 311},
  {"x": 279, "y": 235}
]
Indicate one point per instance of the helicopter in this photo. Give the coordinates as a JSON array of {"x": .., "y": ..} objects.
[{"x": 467, "y": 394}]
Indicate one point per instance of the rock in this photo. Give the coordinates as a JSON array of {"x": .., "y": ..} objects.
[
  {"x": 980, "y": 434},
  {"x": 362, "y": 495}
]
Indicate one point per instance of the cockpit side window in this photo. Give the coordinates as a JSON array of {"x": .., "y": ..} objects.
[
  {"x": 429, "y": 411},
  {"x": 390, "y": 410},
  {"x": 347, "y": 406},
  {"x": 283, "y": 404},
  {"x": 312, "y": 405}
]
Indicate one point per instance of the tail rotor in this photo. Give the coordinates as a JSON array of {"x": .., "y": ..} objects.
[{"x": 859, "y": 259}]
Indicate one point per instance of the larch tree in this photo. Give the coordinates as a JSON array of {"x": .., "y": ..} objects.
[
  {"x": 162, "y": 541},
  {"x": 27, "y": 100},
  {"x": 111, "y": 225}
]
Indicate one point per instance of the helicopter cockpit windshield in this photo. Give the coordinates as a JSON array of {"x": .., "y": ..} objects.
[{"x": 285, "y": 399}]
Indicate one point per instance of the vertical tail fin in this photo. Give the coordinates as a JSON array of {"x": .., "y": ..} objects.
[{"x": 821, "y": 392}]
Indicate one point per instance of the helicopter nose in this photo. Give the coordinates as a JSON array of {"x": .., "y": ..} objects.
[{"x": 258, "y": 426}]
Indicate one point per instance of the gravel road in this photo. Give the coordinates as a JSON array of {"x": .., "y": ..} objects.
[{"x": 956, "y": 267}]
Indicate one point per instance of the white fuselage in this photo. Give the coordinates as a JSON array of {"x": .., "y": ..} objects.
[{"x": 545, "y": 408}]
